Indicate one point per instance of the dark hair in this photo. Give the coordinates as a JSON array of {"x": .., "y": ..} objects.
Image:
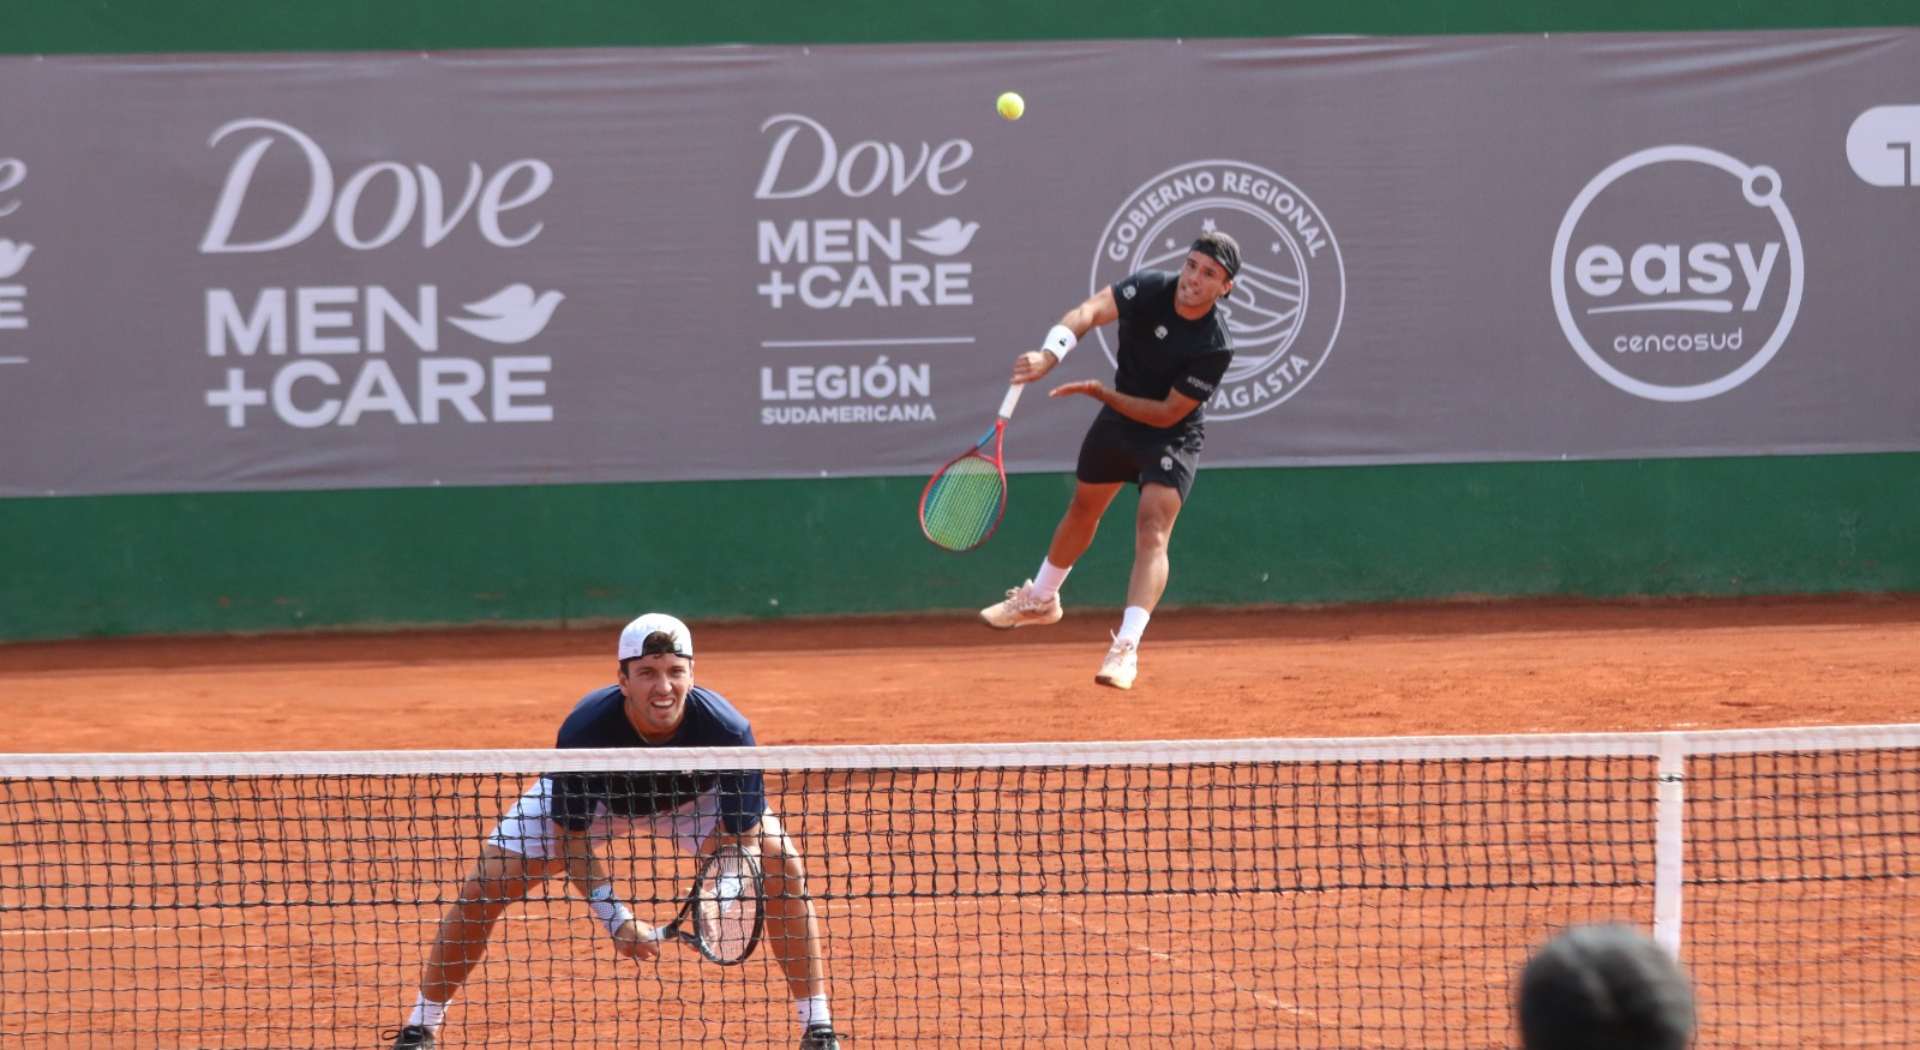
[
  {"x": 656, "y": 643},
  {"x": 1221, "y": 249},
  {"x": 1605, "y": 987}
]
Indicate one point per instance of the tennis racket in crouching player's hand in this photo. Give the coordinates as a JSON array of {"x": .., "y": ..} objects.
[
  {"x": 965, "y": 500},
  {"x": 724, "y": 914}
]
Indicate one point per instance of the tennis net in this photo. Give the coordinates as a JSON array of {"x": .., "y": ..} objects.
[{"x": 1257, "y": 893}]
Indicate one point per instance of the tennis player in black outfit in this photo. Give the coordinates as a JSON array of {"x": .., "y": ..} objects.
[
  {"x": 1173, "y": 351},
  {"x": 559, "y": 822}
]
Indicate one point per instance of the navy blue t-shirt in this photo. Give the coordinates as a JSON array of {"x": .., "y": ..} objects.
[
  {"x": 1160, "y": 351},
  {"x": 599, "y": 720}
]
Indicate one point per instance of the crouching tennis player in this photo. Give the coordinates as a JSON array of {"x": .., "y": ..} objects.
[{"x": 559, "y": 823}]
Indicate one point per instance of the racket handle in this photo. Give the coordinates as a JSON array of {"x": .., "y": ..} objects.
[
  {"x": 1012, "y": 399},
  {"x": 656, "y": 935}
]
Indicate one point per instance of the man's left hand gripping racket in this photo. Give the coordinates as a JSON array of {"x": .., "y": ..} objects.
[
  {"x": 965, "y": 500},
  {"x": 723, "y": 917}
]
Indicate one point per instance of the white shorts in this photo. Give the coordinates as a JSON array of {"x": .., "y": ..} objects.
[{"x": 529, "y": 831}]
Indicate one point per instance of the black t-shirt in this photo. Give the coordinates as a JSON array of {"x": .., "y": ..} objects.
[
  {"x": 1161, "y": 351},
  {"x": 600, "y": 720}
]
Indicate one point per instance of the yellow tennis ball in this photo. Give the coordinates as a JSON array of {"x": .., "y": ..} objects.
[{"x": 1011, "y": 105}]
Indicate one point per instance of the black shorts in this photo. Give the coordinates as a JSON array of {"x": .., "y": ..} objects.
[{"x": 1120, "y": 450}]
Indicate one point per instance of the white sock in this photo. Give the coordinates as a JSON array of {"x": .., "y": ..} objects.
[
  {"x": 1133, "y": 623},
  {"x": 426, "y": 1012},
  {"x": 813, "y": 1011},
  {"x": 1046, "y": 582}
]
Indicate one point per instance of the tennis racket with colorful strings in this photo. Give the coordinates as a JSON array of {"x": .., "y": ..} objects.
[{"x": 965, "y": 500}]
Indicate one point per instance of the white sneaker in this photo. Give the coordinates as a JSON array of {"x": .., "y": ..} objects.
[
  {"x": 1022, "y": 609},
  {"x": 1121, "y": 664}
]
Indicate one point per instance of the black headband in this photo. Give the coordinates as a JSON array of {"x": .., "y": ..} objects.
[{"x": 1221, "y": 249}]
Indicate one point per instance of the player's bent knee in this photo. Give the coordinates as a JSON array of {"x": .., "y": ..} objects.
[
  {"x": 492, "y": 894},
  {"x": 786, "y": 886},
  {"x": 1151, "y": 536},
  {"x": 499, "y": 878},
  {"x": 788, "y": 866},
  {"x": 1155, "y": 525},
  {"x": 785, "y": 870}
]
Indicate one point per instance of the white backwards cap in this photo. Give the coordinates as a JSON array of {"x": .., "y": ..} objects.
[{"x": 636, "y": 633}]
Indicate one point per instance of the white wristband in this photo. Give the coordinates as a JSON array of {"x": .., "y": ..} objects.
[
  {"x": 611, "y": 913},
  {"x": 1060, "y": 339}
]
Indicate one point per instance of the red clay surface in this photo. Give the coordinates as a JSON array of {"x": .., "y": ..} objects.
[
  {"x": 927, "y": 957},
  {"x": 1394, "y": 671}
]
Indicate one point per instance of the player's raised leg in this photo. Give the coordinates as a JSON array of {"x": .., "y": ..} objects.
[
  {"x": 1037, "y": 601},
  {"x": 1153, "y": 530}
]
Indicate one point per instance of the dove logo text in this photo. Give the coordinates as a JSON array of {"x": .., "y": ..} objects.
[
  {"x": 306, "y": 394},
  {"x": 861, "y": 170},
  {"x": 828, "y": 241},
  {"x": 322, "y": 320},
  {"x": 314, "y": 323},
  {"x": 881, "y": 276},
  {"x": 371, "y": 208},
  {"x": 13, "y": 172}
]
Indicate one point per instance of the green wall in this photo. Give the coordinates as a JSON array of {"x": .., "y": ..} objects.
[
  {"x": 120, "y": 565},
  {"x": 253, "y": 562},
  {"x": 309, "y": 25}
]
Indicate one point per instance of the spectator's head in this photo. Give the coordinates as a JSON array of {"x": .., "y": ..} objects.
[{"x": 1604, "y": 987}]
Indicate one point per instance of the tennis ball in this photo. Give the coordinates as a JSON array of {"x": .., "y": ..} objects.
[{"x": 1011, "y": 105}]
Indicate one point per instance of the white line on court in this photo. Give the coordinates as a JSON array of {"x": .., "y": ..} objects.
[
  {"x": 1265, "y": 999},
  {"x": 67, "y": 931}
]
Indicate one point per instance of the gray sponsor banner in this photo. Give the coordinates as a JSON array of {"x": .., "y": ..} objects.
[{"x": 357, "y": 270}]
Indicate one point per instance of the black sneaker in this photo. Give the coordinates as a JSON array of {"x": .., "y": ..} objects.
[
  {"x": 412, "y": 1037},
  {"x": 819, "y": 1037}
]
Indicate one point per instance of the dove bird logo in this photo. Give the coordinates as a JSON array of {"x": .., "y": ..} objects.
[
  {"x": 946, "y": 238},
  {"x": 13, "y": 258},
  {"x": 511, "y": 315},
  {"x": 13, "y": 172}
]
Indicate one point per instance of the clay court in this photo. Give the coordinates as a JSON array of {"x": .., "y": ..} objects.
[
  {"x": 1258, "y": 961},
  {"x": 1376, "y": 671}
]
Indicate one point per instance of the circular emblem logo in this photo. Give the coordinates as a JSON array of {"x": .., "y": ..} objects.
[
  {"x": 1677, "y": 272},
  {"x": 1289, "y": 297}
]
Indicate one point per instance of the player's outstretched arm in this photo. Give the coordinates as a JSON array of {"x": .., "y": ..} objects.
[
  {"x": 632, "y": 938},
  {"x": 1098, "y": 309},
  {"x": 1162, "y": 413}
]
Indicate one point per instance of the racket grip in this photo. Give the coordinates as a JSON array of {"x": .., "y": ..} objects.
[
  {"x": 656, "y": 935},
  {"x": 1012, "y": 399}
]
